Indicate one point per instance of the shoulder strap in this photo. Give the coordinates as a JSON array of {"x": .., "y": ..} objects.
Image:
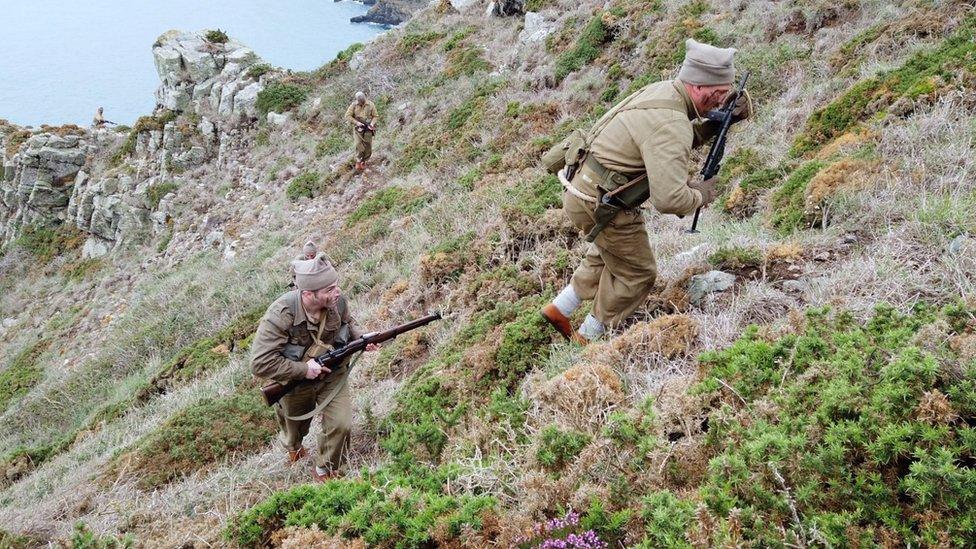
[
  {"x": 627, "y": 105},
  {"x": 657, "y": 104}
]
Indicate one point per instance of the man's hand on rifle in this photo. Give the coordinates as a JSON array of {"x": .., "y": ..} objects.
[
  {"x": 372, "y": 347},
  {"x": 707, "y": 189},
  {"x": 315, "y": 369},
  {"x": 742, "y": 110}
]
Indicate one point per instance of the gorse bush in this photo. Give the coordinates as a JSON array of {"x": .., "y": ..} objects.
[
  {"x": 382, "y": 508},
  {"x": 789, "y": 201},
  {"x": 280, "y": 97},
  {"x": 586, "y": 49},
  {"x": 304, "y": 185},
  {"x": 557, "y": 447},
  {"x": 846, "y": 432}
]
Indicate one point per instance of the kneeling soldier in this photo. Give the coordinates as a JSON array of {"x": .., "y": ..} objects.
[
  {"x": 298, "y": 326},
  {"x": 645, "y": 140}
]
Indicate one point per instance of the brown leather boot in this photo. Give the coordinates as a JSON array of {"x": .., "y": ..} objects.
[
  {"x": 295, "y": 455},
  {"x": 558, "y": 321},
  {"x": 359, "y": 166}
]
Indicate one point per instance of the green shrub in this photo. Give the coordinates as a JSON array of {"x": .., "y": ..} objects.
[
  {"x": 863, "y": 428},
  {"x": 536, "y": 5},
  {"x": 143, "y": 124},
  {"x": 384, "y": 509},
  {"x": 216, "y": 36},
  {"x": 609, "y": 526},
  {"x": 83, "y": 538},
  {"x": 46, "y": 243},
  {"x": 465, "y": 61},
  {"x": 393, "y": 200},
  {"x": 533, "y": 199},
  {"x": 557, "y": 447},
  {"x": 333, "y": 143},
  {"x": 345, "y": 55},
  {"x": 203, "y": 434},
  {"x": 157, "y": 191},
  {"x": 586, "y": 49},
  {"x": 666, "y": 518},
  {"x": 413, "y": 42},
  {"x": 737, "y": 258},
  {"x": 82, "y": 268},
  {"x": 258, "y": 70},
  {"x": 789, "y": 201},
  {"x": 304, "y": 185},
  {"x": 13, "y": 541},
  {"x": 280, "y": 97},
  {"x": 949, "y": 63},
  {"x": 22, "y": 373},
  {"x": 458, "y": 37}
]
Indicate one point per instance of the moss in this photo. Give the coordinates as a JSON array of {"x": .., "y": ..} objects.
[
  {"x": 737, "y": 258},
  {"x": 391, "y": 200},
  {"x": 156, "y": 192},
  {"x": 216, "y": 36},
  {"x": 304, "y": 185},
  {"x": 789, "y": 201},
  {"x": 281, "y": 97},
  {"x": 586, "y": 49},
  {"x": 557, "y": 447},
  {"x": 201, "y": 435},
  {"x": 951, "y": 63},
  {"x": 382, "y": 509}
]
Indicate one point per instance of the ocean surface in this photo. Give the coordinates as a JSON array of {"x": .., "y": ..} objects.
[{"x": 61, "y": 59}]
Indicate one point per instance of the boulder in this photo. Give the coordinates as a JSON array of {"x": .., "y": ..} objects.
[
  {"x": 536, "y": 28},
  {"x": 708, "y": 283}
]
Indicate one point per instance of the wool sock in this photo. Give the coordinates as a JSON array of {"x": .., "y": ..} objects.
[
  {"x": 591, "y": 328},
  {"x": 567, "y": 301},
  {"x": 320, "y": 470}
]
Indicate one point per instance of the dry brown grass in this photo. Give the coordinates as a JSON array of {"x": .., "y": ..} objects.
[
  {"x": 670, "y": 336},
  {"x": 582, "y": 396},
  {"x": 295, "y": 537}
]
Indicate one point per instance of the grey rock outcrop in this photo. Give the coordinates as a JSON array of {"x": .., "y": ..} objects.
[
  {"x": 536, "y": 28},
  {"x": 708, "y": 283},
  {"x": 207, "y": 78}
]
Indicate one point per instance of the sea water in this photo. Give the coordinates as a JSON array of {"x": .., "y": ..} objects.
[{"x": 62, "y": 59}]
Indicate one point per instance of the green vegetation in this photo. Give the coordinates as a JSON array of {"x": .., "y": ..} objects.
[
  {"x": 304, "y": 185},
  {"x": 737, "y": 258},
  {"x": 950, "y": 64},
  {"x": 534, "y": 199},
  {"x": 458, "y": 37},
  {"x": 586, "y": 49},
  {"x": 558, "y": 447},
  {"x": 465, "y": 61},
  {"x": 845, "y": 428},
  {"x": 413, "y": 42},
  {"x": 788, "y": 201},
  {"x": 281, "y": 97},
  {"x": 332, "y": 144},
  {"x": 536, "y": 5},
  {"x": 258, "y": 70},
  {"x": 216, "y": 36},
  {"x": 156, "y": 192},
  {"x": 203, "y": 434},
  {"x": 22, "y": 373},
  {"x": 143, "y": 124},
  {"x": 382, "y": 508},
  {"x": 84, "y": 538},
  {"x": 82, "y": 269},
  {"x": 391, "y": 200},
  {"x": 46, "y": 243}
]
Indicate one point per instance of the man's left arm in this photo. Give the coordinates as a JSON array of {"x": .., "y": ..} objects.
[
  {"x": 373, "y": 115},
  {"x": 666, "y": 152}
]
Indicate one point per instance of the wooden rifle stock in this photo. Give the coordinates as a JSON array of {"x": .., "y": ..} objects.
[{"x": 274, "y": 391}]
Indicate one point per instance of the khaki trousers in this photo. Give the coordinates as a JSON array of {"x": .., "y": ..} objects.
[
  {"x": 333, "y": 440},
  {"x": 364, "y": 145},
  {"x": 618, "y": 270}
]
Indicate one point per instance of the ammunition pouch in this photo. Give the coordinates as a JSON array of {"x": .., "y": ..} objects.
[{"x": 569, "y": 152}]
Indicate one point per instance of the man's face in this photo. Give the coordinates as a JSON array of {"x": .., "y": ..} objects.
[
  {"x": 326, "y": 297},
  {"x": 714, "y": 96},
  {"x": 310, "y": 255},
  {"x": 361, "y": 100}
]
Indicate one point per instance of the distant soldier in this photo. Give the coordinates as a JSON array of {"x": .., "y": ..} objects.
[
  {"x": 298, "y": 326},
  {"x": 362, "y": 115},
  {"x": 309, "y": 251},
  {"x": 99, "y": 120},
  {"x": 650, "y": 133}
]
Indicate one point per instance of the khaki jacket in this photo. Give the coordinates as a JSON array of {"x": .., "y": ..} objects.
[
  {"x": 365, "y": 112},
  {"x": 285, "y": 330},
  {"x": 656, "y": 141}
]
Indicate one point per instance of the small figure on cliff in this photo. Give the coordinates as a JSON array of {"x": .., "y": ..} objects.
[
  {"x": 298, "y": 326},
  {"x": 641, "y": 145},
  {"x": 362, "y": 115},
  {"x": 99, "y": 120}
]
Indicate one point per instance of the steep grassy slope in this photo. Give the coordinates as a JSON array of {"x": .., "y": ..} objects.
[{"x": 845, "y": 416}]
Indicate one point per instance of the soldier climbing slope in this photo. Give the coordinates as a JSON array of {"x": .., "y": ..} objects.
[
  {"x": 641, "y": 145},
  {"x": 362, "y": 115}
]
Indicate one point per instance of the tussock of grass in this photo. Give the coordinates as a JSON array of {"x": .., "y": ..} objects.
[{"x": 23, "y": 372}]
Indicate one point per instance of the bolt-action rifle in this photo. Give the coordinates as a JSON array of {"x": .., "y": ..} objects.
[{"x": 363, "y": 126}]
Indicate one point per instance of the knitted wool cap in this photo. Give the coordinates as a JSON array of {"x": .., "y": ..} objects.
[
  {"x": 314, "y": 274},
  {"x": 310, "y": 248},
  {"x": 706, "y": 65}
]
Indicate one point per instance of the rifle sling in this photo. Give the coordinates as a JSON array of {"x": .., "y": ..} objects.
[{"x": 330, "y": 397}]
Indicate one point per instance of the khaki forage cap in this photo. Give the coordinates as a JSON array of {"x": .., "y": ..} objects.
[
  {"x": 706, "y": 65},
  {"x": 314, "y": 274}
]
